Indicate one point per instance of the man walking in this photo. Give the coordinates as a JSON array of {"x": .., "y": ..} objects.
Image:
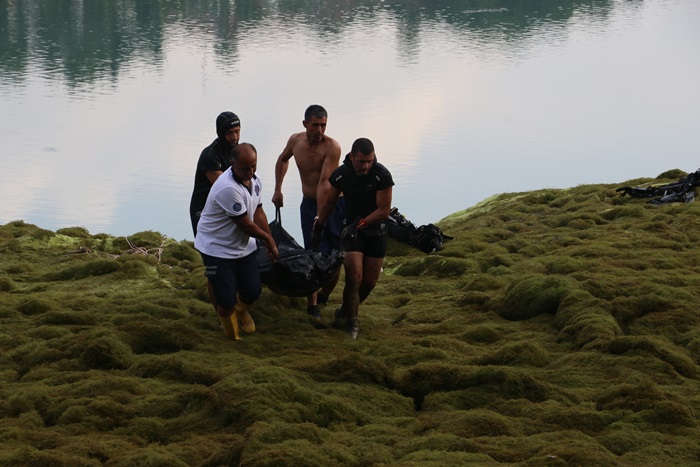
[
  {"x": 213, "y": 160},
  {"x": 367, "y": 188},
  {"x": 232, "y": 219},
  {"x": 316, "y": 156}
]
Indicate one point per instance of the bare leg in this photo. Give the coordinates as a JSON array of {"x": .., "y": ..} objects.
[
  {"x": 371, "y": 268},
  {"x": 353, "y": 279},
  {"x": 313, "y": 300}
]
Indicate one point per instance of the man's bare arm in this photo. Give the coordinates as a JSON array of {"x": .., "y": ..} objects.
[
  {"x": 330, "y": 163},
  {"x": 383, "y": 207},
  {"x": 281, "y": 167},
  {"x": 260, "y": 219},
  {"x": 254, "y": 229},
  {"x": 326, "y": 198}
]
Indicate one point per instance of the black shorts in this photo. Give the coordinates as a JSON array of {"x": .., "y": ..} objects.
[
  {"x": 370, "y": 241},
  {"x": 231, "y": 276}
]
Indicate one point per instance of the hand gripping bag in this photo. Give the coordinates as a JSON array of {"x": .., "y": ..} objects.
[{"x": 298, "y": 272}]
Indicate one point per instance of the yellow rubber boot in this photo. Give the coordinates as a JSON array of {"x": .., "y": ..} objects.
[
  {"x": 230, "y": 326},
  {"x": 246, "y": 321}
]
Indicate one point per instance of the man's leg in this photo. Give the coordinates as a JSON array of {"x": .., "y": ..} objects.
[
  {"x": 351, "y": 293},
  {"x": 364, "y": 273},
  {"x": 228, "y": 322},
  {"x": 212, "y": 297},
  {"x": 331, "y": 241},
  {"x": 307, "y": 212},
  {"x": 221, "y": 287},
  {"x": 371, "y": 269},
  {"x": 230, "y": 326},
  {"x": 325, "y": 292},
  {"x": 249, "y": 290}
]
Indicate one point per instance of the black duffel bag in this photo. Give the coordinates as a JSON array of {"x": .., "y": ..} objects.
[{"x": 298, "y": 272}]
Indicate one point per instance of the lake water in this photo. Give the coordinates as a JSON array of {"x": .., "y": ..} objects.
[{"x": 106, "y": 104}]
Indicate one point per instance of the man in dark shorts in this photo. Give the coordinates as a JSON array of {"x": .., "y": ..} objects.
[
  {"x": 213, "y": 160},
  {"x": 232, "y": 219},
  {"x": 316, "y": 155},
  {"x": 367, "y": 188}
]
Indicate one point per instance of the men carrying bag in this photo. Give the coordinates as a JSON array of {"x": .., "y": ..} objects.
[{"x": 298, "y": 272}]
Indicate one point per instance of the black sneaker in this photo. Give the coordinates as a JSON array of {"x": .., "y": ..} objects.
[
  {"x": 314, "y": 311},
  {"x": 354, "y": 328}
]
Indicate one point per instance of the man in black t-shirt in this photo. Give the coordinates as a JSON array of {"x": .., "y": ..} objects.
[
  {"x": 367, "y": 187},
  {"x": 213, "y": 161}
]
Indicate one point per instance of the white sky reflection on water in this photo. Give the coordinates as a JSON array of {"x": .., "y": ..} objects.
[{"x": 455, "y": 114}]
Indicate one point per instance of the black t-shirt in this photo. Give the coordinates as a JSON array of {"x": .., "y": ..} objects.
[
  {"x": 216, "y": 156},
  {"x": 360, "y": 191}
]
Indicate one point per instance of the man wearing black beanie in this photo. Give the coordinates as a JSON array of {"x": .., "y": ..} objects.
[{"x": 213, "y": 161}]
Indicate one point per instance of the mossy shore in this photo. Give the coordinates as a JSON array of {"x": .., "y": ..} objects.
[{"x": 558, "y": 327}]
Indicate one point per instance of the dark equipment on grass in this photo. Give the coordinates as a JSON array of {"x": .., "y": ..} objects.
[
  {"x": 298, "y": 272},
  {"x": 680, "y": 191},
  {"x": 427, "y": 238}
]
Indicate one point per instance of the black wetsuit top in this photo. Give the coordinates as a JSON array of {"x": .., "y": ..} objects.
[
  {"x": 216, "y": 156},
  {"x": 360, "y": 191}
]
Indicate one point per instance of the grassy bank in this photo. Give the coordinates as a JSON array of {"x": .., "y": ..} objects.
[{"x": 559, "y": 327}]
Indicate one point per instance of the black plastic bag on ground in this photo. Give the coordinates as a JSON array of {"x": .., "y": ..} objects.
[
  {"x": 676, "y": 192},
  {"x": 298, "y": 272},
  {"x": 427, "y": 238},
  {"x": 400, "y": 228}
]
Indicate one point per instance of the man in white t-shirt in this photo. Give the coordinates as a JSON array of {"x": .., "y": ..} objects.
[{"x": 231, "y": 220}]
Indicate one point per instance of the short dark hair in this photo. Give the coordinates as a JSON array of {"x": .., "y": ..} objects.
[
  {"x": 315, "y": 110},
  {"x": 362, "y": 145},
  {"x": 236, "y": 151}
]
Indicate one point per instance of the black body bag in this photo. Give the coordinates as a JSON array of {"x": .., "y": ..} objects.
[{"x": 298, "y": 272}]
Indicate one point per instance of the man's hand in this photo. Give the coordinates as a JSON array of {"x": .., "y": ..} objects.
[
  {"x": 349, "y": 234},
  {"x": 272, "y": 252},
  {"x": 316, "y": 235},
  {"x": 278, "y": 199}
]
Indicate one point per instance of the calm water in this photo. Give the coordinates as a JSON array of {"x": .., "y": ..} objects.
[{"x": 106, "y": 104}]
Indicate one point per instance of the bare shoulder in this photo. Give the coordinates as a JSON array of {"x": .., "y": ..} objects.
[
  {"x": 297, "y": 142},
  {"x": 297, "y": 136},
  {"x": 332, "y": 145},
  {"x": 293, "y": 146}
]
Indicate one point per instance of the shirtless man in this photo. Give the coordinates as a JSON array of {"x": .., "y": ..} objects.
[{"x": 316, "y": 156}]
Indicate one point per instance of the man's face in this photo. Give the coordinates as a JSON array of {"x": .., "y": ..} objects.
[
  {"x": 361, "y": 163},
  {"x": 244, "y": 167},
  {"x": 315, "y": 129},
  {"x": 233, "y": 135}
]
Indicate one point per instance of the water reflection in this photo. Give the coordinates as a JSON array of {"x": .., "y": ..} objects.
[{"x": 88, "y": 41}]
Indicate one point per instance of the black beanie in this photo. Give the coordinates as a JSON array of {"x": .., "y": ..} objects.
[{"x": 225, "y": 121}]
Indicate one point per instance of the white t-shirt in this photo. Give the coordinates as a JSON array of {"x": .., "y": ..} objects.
[{"x": 217, "y": 233}]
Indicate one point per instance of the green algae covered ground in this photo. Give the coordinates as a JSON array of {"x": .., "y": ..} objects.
[{"x": 559, "y": 327}]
